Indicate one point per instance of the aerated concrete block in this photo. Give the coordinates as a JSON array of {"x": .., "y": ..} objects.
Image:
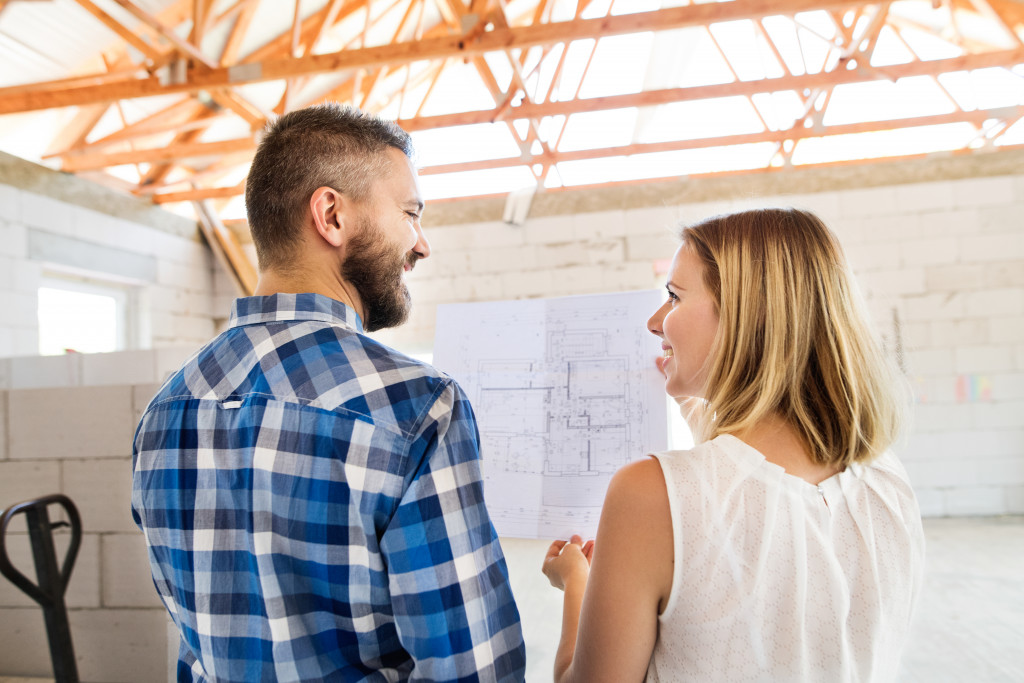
[
  {"x": 120, "y": 645},
  {"x": 119, "y": 367},
  {"x": 127, "y": 581},
  {"x": 77, "y": 422},
  {"x": 84, "y": 586},
  {"x": 102, "y": 490},
  {"x": 3, "y": 417},
  {"x": 37, "y": 372},
  {"x": 22, "y": 480}
]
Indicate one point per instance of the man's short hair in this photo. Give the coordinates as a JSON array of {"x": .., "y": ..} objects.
[{"x": 324, "y": 145}]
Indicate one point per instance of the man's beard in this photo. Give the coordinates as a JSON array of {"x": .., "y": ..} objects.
[{"x": 375, "y": 268}]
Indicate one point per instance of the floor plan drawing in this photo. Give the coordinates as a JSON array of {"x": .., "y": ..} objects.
[{"x": 565, "y": 392}]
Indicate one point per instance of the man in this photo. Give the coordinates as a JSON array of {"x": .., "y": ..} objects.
[{"x": 312, "y": 499}]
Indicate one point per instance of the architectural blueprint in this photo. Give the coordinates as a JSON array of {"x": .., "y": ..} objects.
[{"x": 565, "y": 392}]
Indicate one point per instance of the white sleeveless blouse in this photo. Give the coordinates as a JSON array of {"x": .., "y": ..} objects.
[{"x": 776, "y": 579}]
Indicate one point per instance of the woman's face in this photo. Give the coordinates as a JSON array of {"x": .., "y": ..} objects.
[{"x": 687, "y": 324}]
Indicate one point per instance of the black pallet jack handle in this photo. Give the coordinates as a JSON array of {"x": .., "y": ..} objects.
[{"x": 53, "y": 582}]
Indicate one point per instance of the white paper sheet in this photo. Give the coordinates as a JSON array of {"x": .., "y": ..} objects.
[{"x": 565, "y": 391}]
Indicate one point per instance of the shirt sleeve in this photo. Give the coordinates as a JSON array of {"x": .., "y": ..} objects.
[{"x": 452, "y": 602}]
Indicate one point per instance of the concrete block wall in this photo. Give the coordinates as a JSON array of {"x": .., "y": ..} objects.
[
  {"x": 941, "y": 265},
  {"x": 160, "y": 259},
  {"x": 76, "y": 440}
]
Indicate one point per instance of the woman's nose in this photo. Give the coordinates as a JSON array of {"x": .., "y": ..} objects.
[{"x": 654, "y": 324}]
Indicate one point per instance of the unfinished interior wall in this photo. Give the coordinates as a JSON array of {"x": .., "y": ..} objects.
[
  {"x": 76, "y": 439},
  {"x": 53, "y": 223},
  {"x": 941, "y": 264}
]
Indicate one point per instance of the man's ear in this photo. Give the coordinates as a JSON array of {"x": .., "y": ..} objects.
[{"x": 330, "y": 210}]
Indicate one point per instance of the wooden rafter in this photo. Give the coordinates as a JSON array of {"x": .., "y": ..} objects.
[
  {"x": 44, "y": 97},
  {"x": 437, "y": 33},
  {"x": 795, "y": 134}
]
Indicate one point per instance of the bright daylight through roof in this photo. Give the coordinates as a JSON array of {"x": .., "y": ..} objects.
[{"x": 535, "y": 93}]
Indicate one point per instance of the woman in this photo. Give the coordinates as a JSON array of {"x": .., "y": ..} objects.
[{"x": 787, "y": 545}]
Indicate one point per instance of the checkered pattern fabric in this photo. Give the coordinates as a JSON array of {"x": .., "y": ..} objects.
[{"x": 313, "y": 507}]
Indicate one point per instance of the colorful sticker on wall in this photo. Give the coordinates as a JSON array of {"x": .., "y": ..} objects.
[
  {"x": 972, "y": 388},
  {"x": 920, "y": 387}
]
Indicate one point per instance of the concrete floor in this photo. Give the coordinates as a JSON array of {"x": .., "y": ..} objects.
[
  {"x": 969, "y": 625},
  {"x": 970, "y": 621}
]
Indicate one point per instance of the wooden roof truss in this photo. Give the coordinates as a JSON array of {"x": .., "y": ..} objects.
[{"x": 336, "y": 52}]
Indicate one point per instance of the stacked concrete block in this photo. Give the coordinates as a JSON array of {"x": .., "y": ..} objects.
[
  {"x": 76, "y": 440},
  {"x": 940, "y": 265}
]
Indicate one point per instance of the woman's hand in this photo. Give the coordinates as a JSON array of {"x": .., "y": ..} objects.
[{"x": 568, "y": 562}]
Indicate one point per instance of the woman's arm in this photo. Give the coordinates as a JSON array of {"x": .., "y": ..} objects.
[{"x": 627, "y": 585}]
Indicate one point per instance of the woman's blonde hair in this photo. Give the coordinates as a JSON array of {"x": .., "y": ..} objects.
[{"x": 793, "y": 340}]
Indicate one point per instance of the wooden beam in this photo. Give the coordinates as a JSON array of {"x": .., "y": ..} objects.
[
  {"x": 148, "y": 19},
  {"x": 45, "y": 97},
  {"x": 744, "y": 89},
  {"x": 233, "y": 44},
  {"x": 92, "y": 160},
  {"x": 795, "y": 134},
  {"x": 232, "y": 101},
  {"x": 130, "y": 37},
  {"x": 173, "y": 119},
  {"x": 195, "y": 195},
  {"x": 800, "y": 133},
  {"x": 73, "y": 134},
  {"x": 226, "y": 248},
  {"x": 536, "y": 111}
]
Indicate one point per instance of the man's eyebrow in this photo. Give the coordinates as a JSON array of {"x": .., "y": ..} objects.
[{"x": 418, "y": 203}]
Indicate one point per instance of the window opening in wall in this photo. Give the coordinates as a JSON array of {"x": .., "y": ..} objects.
[{"x": 83, "y": 316}]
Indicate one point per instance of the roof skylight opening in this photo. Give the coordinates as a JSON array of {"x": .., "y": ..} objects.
[
  {"x": 995, "y": 87},
  {"x": 475, "y": 183},
  {"x": 746, "y": 50},
  {"x": 702, "y": 119},
  {"x": 621, "y": 7},
  {"x": 500, "y": 67},
  {"x": 700, "y": 62},
  {"x": 880, "y": 144},
  {"x": 880, "y": 100},
  {"x": 551, "y": 127},
  {"x": 546, "y": 73},
  {"x": 928, "y": 46},
  {"x": 440, "y": 146},
  {"x": 610, "y": 128},
  {"x": 667, "y": 164},
  {"x": 780, "y": 110},
  {"x": 234, "y": 210},
  {"x": 1014, "y": 135},
  {"x": 598, "y": 8},
  {"x": 617, "y": 61},
  {"x": 458, "y": 89},
  {"x": 554, "y": 178},
  {"x": 782, "y": 32},
  {"x": 522, "y": 127},
  {"x": 815, "y": 34},
  {"x": 576, "y": 61},
  {"x": 127, "y": 172},
  {"x": 890, "y": 49}
]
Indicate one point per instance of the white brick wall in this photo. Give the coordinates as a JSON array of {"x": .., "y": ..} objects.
[
  {"x": 76, "y": 440},
  {"x": 946, "y": 256},
  {"x": 184, "y": 286}
]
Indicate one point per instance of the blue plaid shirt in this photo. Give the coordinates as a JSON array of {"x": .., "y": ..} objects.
[{"x": 313, "y": 507}]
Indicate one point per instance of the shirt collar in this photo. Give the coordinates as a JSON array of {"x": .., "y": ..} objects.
[{"x": 281, "y": 307}]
